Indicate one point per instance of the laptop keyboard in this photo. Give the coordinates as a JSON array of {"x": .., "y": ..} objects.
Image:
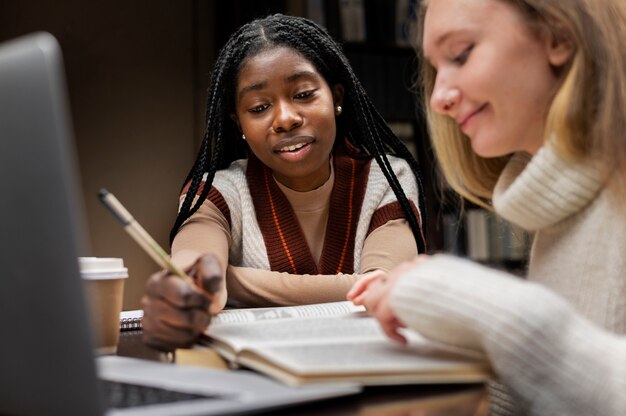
[{"x": 120, "y": 395}]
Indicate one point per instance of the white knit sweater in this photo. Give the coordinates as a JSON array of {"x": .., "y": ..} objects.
[{"x": 557, "y": 342}]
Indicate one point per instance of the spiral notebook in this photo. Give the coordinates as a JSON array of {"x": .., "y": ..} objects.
[{"x": 131, "y": 320}]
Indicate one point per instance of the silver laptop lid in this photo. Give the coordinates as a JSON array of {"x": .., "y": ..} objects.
[{"x": 46, "y": 366}]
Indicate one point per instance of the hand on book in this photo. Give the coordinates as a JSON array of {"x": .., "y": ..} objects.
[
  {"x": 177, "y": 313},
  {"x": 374, "y": 292}
]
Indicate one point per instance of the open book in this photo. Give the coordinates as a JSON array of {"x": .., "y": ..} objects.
[{"x": 334, "y": 342}]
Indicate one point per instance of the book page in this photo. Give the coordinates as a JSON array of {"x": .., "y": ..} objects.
[
  {"x": 234, "y": 316},
  {"x": 295, "y": 331},
  {"x": 349, "y": 347},
  {"x": 368, "y": 357}
]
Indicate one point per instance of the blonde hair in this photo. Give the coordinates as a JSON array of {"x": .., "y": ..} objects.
[{"x": 587, "y": 116}]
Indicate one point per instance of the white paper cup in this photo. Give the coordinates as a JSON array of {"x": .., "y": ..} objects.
[{"x": 103, "y": 280}]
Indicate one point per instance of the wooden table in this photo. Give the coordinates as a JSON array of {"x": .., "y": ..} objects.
[{"x": 414, "y": 400}]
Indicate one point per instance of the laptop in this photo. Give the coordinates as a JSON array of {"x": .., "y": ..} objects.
[{"x": 47, "y": 365}]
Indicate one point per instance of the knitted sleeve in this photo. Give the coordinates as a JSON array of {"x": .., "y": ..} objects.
[
  {"x": 206, "y": 231},
  {"x": 554, "y": 361}
]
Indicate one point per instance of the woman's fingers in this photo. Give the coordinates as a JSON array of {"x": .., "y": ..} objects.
[
  {"x": 363, "y": 283},
  {"x": 167, "y": 328},
  {"x": 175, "y": 312},
  {"x": 207, "y": 274},
  {"x": 193, "y": 318},
  {"x": 391, "y": 329},
  {"x": 176, "y": 291}
]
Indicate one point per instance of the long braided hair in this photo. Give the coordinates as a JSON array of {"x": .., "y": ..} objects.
[{"x": 360, "y": 122}]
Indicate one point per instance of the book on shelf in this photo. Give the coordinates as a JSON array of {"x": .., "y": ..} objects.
[
  {"x": 131, "y": 320},
  {"x": 478, "y": 234},
  {"x": 352, "y": 17},
  {"x": 334, "y": 342},
  {"x": 315, "y": 10},
  {"x": 406, "y": 22},
  {"x": 490, "y": 238}
]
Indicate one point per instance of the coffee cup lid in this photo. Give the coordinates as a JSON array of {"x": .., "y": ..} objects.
[{"x": 102, "y": 267}]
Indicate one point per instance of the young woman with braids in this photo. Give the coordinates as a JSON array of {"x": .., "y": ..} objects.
[
  {"x": 299, "y": 188},
  {"x": 527, "y": 112}
]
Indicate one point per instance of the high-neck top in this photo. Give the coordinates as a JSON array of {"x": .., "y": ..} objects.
[
  {"x": 541, "y": 191},
  {"x": 579, "y": 231},
  {"x": 549, "y": 347}
]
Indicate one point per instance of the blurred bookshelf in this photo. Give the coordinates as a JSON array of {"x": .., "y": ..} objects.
[{"x": 479, "y": 234}]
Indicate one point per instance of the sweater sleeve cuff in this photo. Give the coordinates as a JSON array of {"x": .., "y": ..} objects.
[{"x": 535, "y": 341}]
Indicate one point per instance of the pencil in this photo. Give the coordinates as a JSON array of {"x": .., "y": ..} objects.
[{"x": 140, "y": 235}]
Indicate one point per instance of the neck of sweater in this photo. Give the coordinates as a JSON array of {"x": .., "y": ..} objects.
[
  {"x": 313, "y": 200},
  {"x": 540, "y": 191}
]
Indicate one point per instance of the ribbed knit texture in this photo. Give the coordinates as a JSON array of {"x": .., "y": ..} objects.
[
  {"x": 553, "y": 361},
  {"x": 554, "y": 342},
  {"x": 286, "y": 246},
  {"x": 544, "y": 192},
  {"x": 580, "y": 239},
  {"x": 265, "y": 233}
]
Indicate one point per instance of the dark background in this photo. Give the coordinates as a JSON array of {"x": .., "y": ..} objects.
[{"x": 137, "y": 74}]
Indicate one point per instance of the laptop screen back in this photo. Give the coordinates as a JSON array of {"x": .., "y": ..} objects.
[{"x": 45, "y": 354}]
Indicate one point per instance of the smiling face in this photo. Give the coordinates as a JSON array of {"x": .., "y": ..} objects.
[
  {"x": 286, "y": 110},
  {"x": 495, "y": 76}
]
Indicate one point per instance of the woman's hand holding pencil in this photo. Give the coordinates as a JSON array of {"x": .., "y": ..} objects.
[
  {"x": 176, "y": 313},
  {"x": 178, "y": 303}
]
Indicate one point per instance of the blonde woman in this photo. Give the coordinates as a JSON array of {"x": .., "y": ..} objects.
[{"x": 527, "y": 112}]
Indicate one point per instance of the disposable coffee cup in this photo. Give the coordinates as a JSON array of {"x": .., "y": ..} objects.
[{"x": 103, "y": 280}]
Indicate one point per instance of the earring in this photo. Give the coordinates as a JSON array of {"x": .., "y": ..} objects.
[
  {"x": 338, "y": 110},
  {"x": 243, "y": 136}
]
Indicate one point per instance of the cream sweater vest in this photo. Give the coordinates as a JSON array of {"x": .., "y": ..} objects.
[{"x": 248, "y": 249}]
